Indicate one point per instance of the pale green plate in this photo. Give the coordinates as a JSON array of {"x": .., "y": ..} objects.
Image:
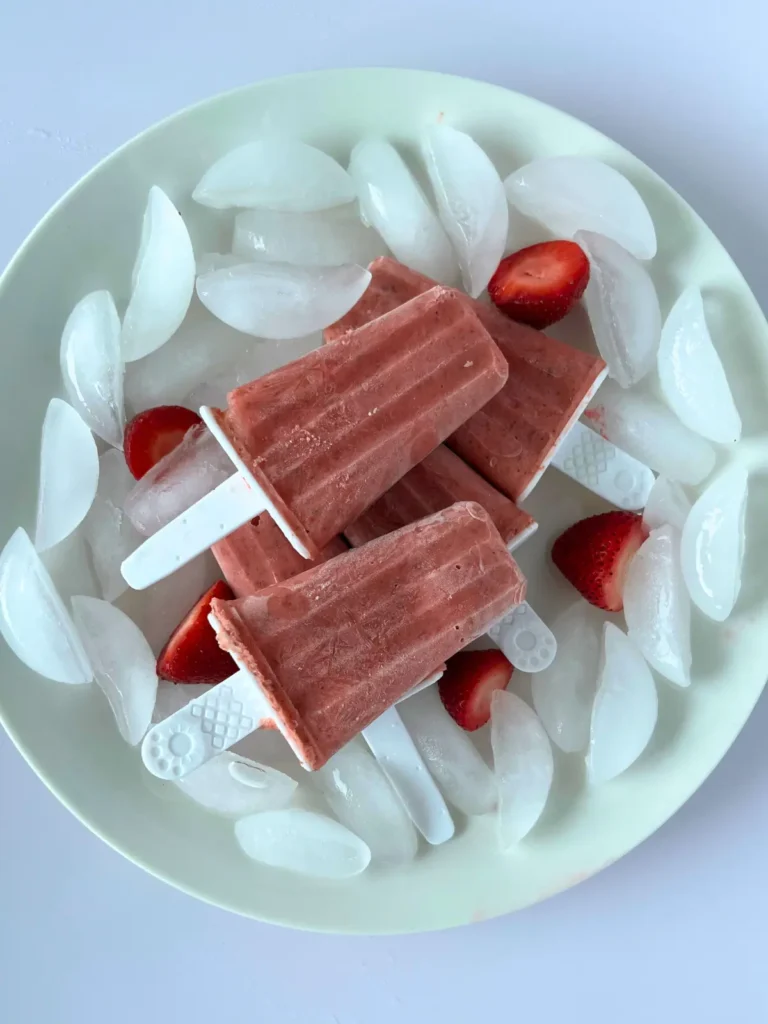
[{"x": 88, "y": 241}]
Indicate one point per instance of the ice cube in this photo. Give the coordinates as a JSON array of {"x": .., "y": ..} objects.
[
  {"x": 163, "y": 279},
  {"x": 123, "y": 664},
  {"x": 275, "y": 174},
  {"x": 657, "y": 607},
  {"x": 625, "y": 709},
  {"x": 33, "y": 619},
  {"x": 578, "y": 193},
  {"x": 92, "y": 365},
  {"x": 327, "y": 238},
  {"x": 392, "y": 201},
  {"x": 470, "y": 200},
  {"x": 360, "y": 796},
  {"x": 563, "y": 693},
  {"x": 667, "y": 504},
  {"x": 108, "y": 530},
  {"x": 277, "y": 300},
  {"x": 303, "y": 842},
  {"x": 623, "y": 308},
  {"x": 712, "y": 549},
  {"x": 178, "y": 480},
  {"x": 234, "y": 786},
  {"x": 646, "y": 429},
  {"x": 452, "y": 758},
  {"x": 69, "y": 474},
  {"x": 523, "y": 764},
  {"x": 198, "y": 351},
  {"x": 691, "y": 375},
  {"x": 172, "y": 697}
]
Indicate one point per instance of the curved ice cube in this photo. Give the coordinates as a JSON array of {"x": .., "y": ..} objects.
[
  {"x": 163, "y": 279},
  {"x": 691, "y": 375},
  {"x": 667, "y": 504},
  {"x": 470, "y": 200},
  {"x": 69, "y": 474},
  {"x": 123, "y": 664},
  {"x": 33, "y": 619},
  {"x": 712, "y": 548},
  {"x": 648, "y": 430},
  {"x": 326, "y": 238},
  {"x": 657, "y": 607},
  {"x": 392, "y": 201},
  {"x": 108, "y": 530},
  {"x": 578, "y": 193},
  {"x": 452, "y": 758},
  {"x": 303, "y": 842},
  {"x": 92, "y": 365},
  {"x": 362, "y": 799},
  {"x": 277, "y": 174},
  {"x": 232, "y": 785},
  {"x": 623, "y": 308},
  {"x": 278, "y": 300},
  {"x": 564, "y": 692},
  {"x": 625, "y": 710},
  {"x": 523, "y": 764}
]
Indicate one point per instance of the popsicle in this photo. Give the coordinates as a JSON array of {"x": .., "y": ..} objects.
[
  {"x": 436, "y": 483},
  {"x": 324, "y": 654},
  {"x": 513, "y": 438},
  {"x": 319, "y": 440}
]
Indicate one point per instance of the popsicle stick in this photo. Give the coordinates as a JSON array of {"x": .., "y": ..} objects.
[
  {"x": 601, "y": 467},
  {"x": 392, "y": 746},
  {"x": 525, "y": 639},
  {"x": 522, "y": 537},
  {"x": 422, "y": 685}
]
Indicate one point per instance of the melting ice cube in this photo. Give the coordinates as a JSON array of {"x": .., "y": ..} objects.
[
  {"x": 303, "y": 842},
  {"x": 667, "y": 504},
  {"x": 109, "y": 531},
  {"x": 234, "y": 786}
]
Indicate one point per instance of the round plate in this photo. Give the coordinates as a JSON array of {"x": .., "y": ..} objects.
[{"x": 89, "y": 240}]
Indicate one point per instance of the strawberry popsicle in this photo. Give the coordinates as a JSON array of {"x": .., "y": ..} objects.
[
  {"x": 436, "y": 483},
  {"x": 316, "y": 442},
  {"x": 511, "y": 439},
  {"x": 257, "y": 555},
  {"x": 324, "y": 654}
]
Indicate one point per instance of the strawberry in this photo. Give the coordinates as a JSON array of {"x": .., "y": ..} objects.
[
  {"x": 154, "y": 433},
  {"x": 539, "y": 285},
  {"x": 469, "y": 682},
  {"x": 192, "y": 655},
  {"x": 594, "y": 555}
]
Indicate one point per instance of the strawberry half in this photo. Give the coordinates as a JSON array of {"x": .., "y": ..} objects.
[
  {"x": 594, "y": 555},
  {"x": 539, "y": 285},
  {"x": 192, "y": 655},
  {"x": 153, "y": 434},
  {"x": 468, "y": 683}
]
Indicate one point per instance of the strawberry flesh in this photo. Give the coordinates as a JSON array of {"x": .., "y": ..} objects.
[
  {"x": 539, "y": 285},
  {"x": 192, "y": 655},
  {"x": 594, "y": 555},
  {"x": 468, "y": 683},
  {"x": 153, "y": 434}
]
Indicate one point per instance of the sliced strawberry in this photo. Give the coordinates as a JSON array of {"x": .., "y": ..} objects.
[
  {"x": 469, "y": 682},
  {"x": 192, "y": 655},
  {"x": 539, "y": 285},
  {"x": 153, "y": 434},
  {"x": 594, "y": 555}
]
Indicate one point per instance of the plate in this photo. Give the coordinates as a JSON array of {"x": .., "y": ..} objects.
[{"x": 88, "y": 241}]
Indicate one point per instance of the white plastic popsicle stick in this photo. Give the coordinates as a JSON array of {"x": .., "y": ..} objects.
[
  {"x": 234, "y": 502},
  {"x": 604, "y": 469},
  {"x": 392, "y": 746},
  {"x": 526, "y": 640}
]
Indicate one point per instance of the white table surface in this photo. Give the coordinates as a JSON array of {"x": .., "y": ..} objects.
[{"x": 675, "y": 931}]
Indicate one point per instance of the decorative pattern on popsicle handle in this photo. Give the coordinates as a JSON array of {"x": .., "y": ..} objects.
[
  {"x": 601, "y": 467},
  {"x": 525, "y": 639}
]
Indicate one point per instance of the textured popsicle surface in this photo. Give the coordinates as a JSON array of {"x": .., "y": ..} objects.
[
  {"x": 437, "y": 482},
  {"x": 512, "y": 437},
  {"x": 335, "y": 646},
  {"x": 327, "y": 434},
  {"x": 257, "y": 555}
]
